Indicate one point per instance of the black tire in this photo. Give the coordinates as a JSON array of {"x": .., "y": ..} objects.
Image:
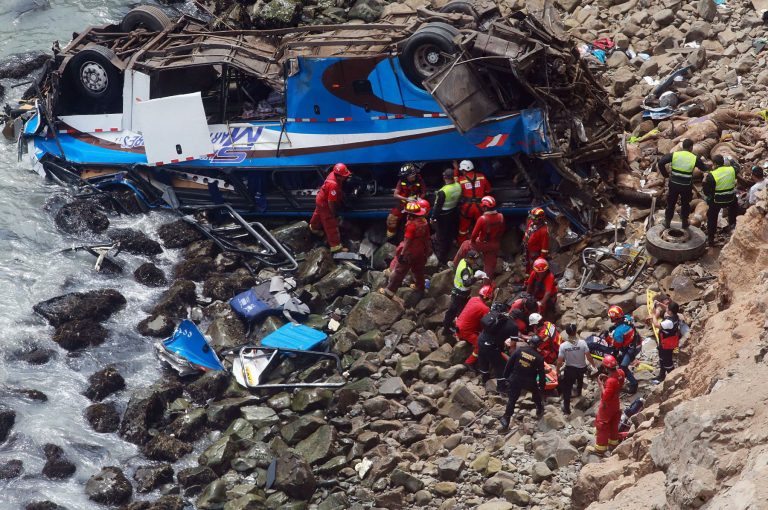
[
  {"x": 147, "y": 17},
  {"x": 94, "y": 76},
  {"x": 460, "y": 7},
  {"x": 423, "y": 53},
  {"x": 674, "y": 244}
]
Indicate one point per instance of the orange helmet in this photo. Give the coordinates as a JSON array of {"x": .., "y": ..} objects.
[
  {"x": 486, "y": 291},
  {"x": 609, "y": 361},
  {"x": 341, "y": 170},
  {"x": 536, "y": 213},
  {"x": 415, "y": 209},
  {"x": 540, "y": 265},
  {"x": 487, "y": 202},
  {"x": 615, "y": 312},
  {"x": 424, "y": 204}
]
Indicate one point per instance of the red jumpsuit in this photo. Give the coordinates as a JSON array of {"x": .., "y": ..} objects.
[
  {"x": 539, "y": 287},
  {"x": 417, "y": 188},
  {"x": 474, "y": 186},
  {"x": 412, "y": 254},
  {"x": 519, "y": 313},
  {"x": 550, "y": 345},
  {"x": 536, "y": 243},
  {"x": 468, "y": 324},
  {"x": 609, "y": 412},
  {"x": 486, "y": 239},
  {"x": 324, "y": 217}
]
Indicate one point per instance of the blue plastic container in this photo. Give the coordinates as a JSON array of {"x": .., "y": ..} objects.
[{"x": 295, "y": 336}]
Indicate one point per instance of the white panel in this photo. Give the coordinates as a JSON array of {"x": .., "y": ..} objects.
[{"x": 174, "y": 128}]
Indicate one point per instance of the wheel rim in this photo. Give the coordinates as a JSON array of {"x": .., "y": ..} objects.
[
  {"x": 428, "y": 59},
  {"x": 94, "y": 77},
  {"x": 676, "y": 235}
]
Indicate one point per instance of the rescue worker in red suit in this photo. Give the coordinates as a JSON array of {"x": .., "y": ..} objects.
[
  {"x": 609, "y": 412},
  {"x": 521, "y": 309},
  {"x": 413, "y": 253},
  {"x": 542, "y": 286},
  {"x": 468, "y": 323},
  {"x": 550, "y": 342},
  {"x": 327, "y": 200},
  {"x": 410, "y": 187},
  {"x": 536, "y": 238},
  {"x": 474, "y": 186},
  {"x": 486, "y": 236}
]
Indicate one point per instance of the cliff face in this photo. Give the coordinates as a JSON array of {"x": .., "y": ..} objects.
[{"x": 702, "y": 442}]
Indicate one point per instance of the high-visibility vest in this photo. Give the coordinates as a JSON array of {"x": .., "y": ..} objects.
[
  {"x": 458, "y": 283},
  {"x": 452, "y": 194},
  {"x": 683, "y": 163},
  {"x": 725, "y": 184}
]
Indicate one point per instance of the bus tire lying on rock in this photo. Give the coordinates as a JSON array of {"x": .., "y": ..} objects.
[
  {"x": 148, "y": 17},
  {"x": 675, "y": 244},
  {"x": 424, "y": 52}
]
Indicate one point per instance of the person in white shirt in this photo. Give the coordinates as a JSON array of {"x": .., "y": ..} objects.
[
  {"x": 574, "y": 353},
  {"x": 760, "y": 184}
]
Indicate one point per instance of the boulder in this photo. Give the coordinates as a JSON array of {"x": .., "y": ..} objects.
[
  {"x": 94, "y": 305},
  {"x": 150, "y": 275},
  {"x": 317, "y": 447},
  {"x": 178, "y": 234},
  {"x": 393, "y": 387},
  {"x": 400, "y": 478},
  {"x": 7, "y": 420},
  {"x": 81, "y": 217},
  {"x": 109, "y": 487},
  {"x": 294, "y": 476},
  {"x": 214, "y": 496},
  {"x": 408, "y": 366},
  {"x": 218, "y": 455},
  {"x": 145, "y": 409},
  {"x": 195, "y": 477},
  {"x": 496, "y": 504},
  {"x": 383, "y": 256},
  {"x": 258, "y": 453},
  {"x": 223, "y": 287},
  {"x": 623, "y": 79},
  {"x": 370, "y": 341},
  {"x": 462, "y": 396},
  {"x": 592, "y": 478},
  {"x": 20, "y": 65},
  {"x": 166, "y": 448},
  {"x": 540, "y": 472},
  {"x": 103, "y": 418},
  {"x": 707, "y": 9},
  {"x": 594, "y": 305},
  {"x": 195, "y": 269},
  {"x": 374, "y": 311},
  {"x": 295, "y": 235},
  {"x": 223, "y": 412},
  {"x": 226, "y": 332},
  {"x": 301, "y": 428},
  {"x": 317, "y": 263},
  {"x": 11, "y": 469},
  {"x": 103, "y": 383},
  {"x": 445, "y": 489},
  {"x": 43, "y": 505},
  {"x": 190, "y": 425},
  {"x": 34, "y": 355},
  {"x": 553, "y": 446},
  {"x": 260, "y": 416},
  {"x": 309, "y": 399},
  {"x": 148, "y": 478},
  {"x": 209, "y": 386},
  {"x": 664, "y": 17},
  {"x": 174, "y": 301},
  {"x": 500, "y": 482},
  {"x": 57, "y": 465},
  {"x": 156, "y": 326},
  {"x": 135, "y": 242},
  {"x": 78, "y": 334},
  {"x": 449, "y": 468},
  {"x": 336, "y": 282},
  {"x": 367, "y": 10}
]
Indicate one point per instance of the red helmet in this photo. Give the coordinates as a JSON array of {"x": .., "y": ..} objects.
[
  {"x": 486, "y": 291},
  {"x": 488, "y": 202},
  {"x": 609, "y": 361},
  {"x": 615, "y": 312},
  {"x": 424, "y": 204},
  {"x": 415, "y": 209},
  {"x": 540, "y": 265},
  {"x": 341, "y": 170},
  {"x": 536, "y": 213}
]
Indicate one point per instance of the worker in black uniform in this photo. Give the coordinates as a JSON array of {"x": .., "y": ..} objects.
[
  {"x": 498, "y": 327},
  {"x": 524, "y": 371},
  {"x": 680, "y": 176},
  {"x": 719, "y": 186}
]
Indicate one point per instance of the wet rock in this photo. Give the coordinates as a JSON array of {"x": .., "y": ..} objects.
[
  {"x": 167, "y": 502},
  {"x": 309, "y": 399},
  {"x": 190, "y": 425},
  {"x": 295, "y": 235},
  {"x": 135, "y": 242},
  {"x": 11, "y": 469},
  {"x": 224, "y": 287},
  {"x": 31, "y": 394},
  {"x": 81, "y": 217},
  {"x": 178, "y": 234},
  {"x": 223, "y": 412},
  {"x": 145, "y": 409},
  {"x": 226, "y": 332},
  {"x": 202, "y": 248},
  {"x": 343, "y": 340},
  {"x": 337, "y": 281},
  {"x": 104, "y": 383},
  {"x": 43, "y": 505},
  {"x": 383, "y": 256},
  {"x": 33, "y": 355},
  {"x": 149, "y": 478},
  {"x": 163, "y": 447},
  {"x": 210, "y": 385},
  {"x": 94, "y": 305},
  {"x": 195, "y": 477},
  {"x": 103, "y": 418},
  {"x": 317, "y": 447},
  {"x": 219, "y": 454},
  {"x": 317, "y": 264},
  {"x": 156, "y": 326},
  {"x": 301, "y": 428},
  {"x": 21, "y": 65},
  {"x": 7, "y": 420},
  {"x": 214, "y": 496},
  {"x": 374, "y": 311},
  {"x": 57, "y": 465},
  {"x": 259, "y": 454},
  {"x": 260, "y": 416},
  {"x": 150, "y": 275},
  {"x": 294, "y": 476},
  {"x": 174, "y": 301},
  {"x": 195, "y": 269},
  {"x": 79, "y": 334},
  {"x": 400, "y": 478},
  {"x": 449, "y": 468},
  {"x": 109, "y": 487}
]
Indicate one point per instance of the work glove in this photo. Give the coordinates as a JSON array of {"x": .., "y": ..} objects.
[{"x": 480, "y": 274}]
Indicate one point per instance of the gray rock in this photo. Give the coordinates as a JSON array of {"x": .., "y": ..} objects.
[
  {"x": 294, "y": 476},
  {"x": 465, "y": 398},
  {"x": 214, "y": 496},
  {"x": 553, "y": 446},
  {"x": 103, "y": 418},
  {"x": 11, "y": 469},
  {"x": 260, "y": 453},
  {"x": 439, "y": 358},
  {"x": 195, "y": 477},
  {"x": 109, "y": 487},
  {"x": 223, "y": 287},
  {"x": 594, "y": 305},
  {"x": 296, "y": 235},
  {"x": 336, "y": 501},
  {"x": 367, "y": 10},
  {"x": 411, "y": 433},
  {"x": 104, "y": 383},
  {"x": 174, "y": 301},
  {"x": 260, "y": 416},
  {"x": 148, "y": 478},
  {"x": 57, "y": 465},
  {"x": 393, "y": 387},
  {"x": 94, "y": 305},
  {"x": 219, "y": 454},
  {"x": 7, "y": 420},
  {"x": 337, "y": 281},
  {"x": 223, "y": 412},
  {"x": 517, "y": 497},
  {"x": 664, "y": 17},
  {"x": 301, "y": 428},
  {"x": 150, "y": 275},
  {"x": 449, "y": 468},
  {"x": 178, "y": 234},
  {"x": 370, "y": 341},
  {"x": 156, "y": 326},
  {"x": 135, "y": 242},
  {"x": 500, "y": 482},
  {"x": 310, "y": 399},
  {"x": 317, "y": 264},
  {"x": 82, "y": 217},
  {"x": 190, "y": 425},
  {"x": 145, "y": 409},
  {"x": 165, "y": 448},
  {"x": 226, "y": 332},
  {"x": 209, "y": 386},
  {"x": 318, "y": 446},
  {"x": 623, "y": 79},
  {"x": 707, "y": 9},
  {"x": 374, "y": 311},
  {"x": 540, "y": 472}
]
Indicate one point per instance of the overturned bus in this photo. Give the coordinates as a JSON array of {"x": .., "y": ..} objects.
[{"x": 184, "y": 115}]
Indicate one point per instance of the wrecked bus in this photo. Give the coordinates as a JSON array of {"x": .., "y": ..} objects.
[{"x": 182, "y": 114}]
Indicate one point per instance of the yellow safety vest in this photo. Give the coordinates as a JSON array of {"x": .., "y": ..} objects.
[
  {"x": 683, "y": 163},
  {"x": 452, "y": 195},
  {"x": 458, "y": 283},
  {"x": 725, "y": 184}
]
